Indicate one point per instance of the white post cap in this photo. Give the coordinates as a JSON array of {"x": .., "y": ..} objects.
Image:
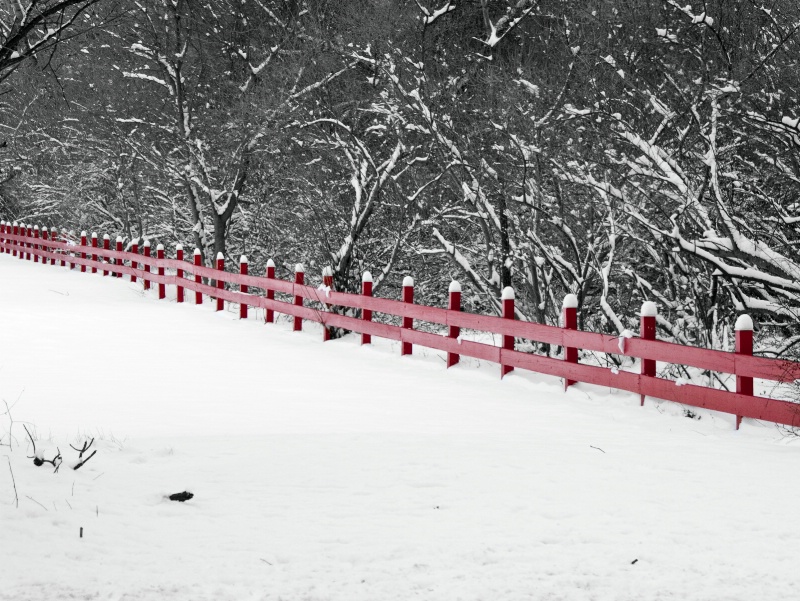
[
  {"x": 243, "y": 259},
  {"x": 366, "y": 277},
  {"x": 119, "y": 239},
  {"x": 570, "y": 302},
  {"x": 270, "y": 263},
  {"x": 454, "y": 287},
  {"x": 179, "y": 247},
  {"x": 36, "y": 227},
  {"x": 15, "y": 223},
  {"x": 160, "y": 247},
  {"x": 83, "y": 233},
  {"x": 220, "y": 256},
  {"x": 649, "y": 309},
  {"x": 44, "y": 229},
  {"x": 146, "y": 242},
  {"x": 744, "y": 322},
  {"x": 106, "y": 237},
  {"x": 299, "y": 268},
  {"x": 197, "y": 251},
  {"x": 508, "y": 293},
  {"x": 327, "y": 271},
  {"x": 408, "y": 281},
  {"x": 94, "y": 234}
]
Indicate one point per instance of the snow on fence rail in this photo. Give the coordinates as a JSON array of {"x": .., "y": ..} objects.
[{"x": 28, "y": 242}]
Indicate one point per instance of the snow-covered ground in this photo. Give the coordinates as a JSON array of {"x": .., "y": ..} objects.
[{"x": 334, "y": 471}]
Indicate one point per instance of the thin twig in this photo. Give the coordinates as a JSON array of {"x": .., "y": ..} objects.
[
  {"x": 13, "y": 481},
  {"x": 598, "y": 448},
  {"x": 265, "y": 561},
  {"x": 37, "y": 502},
  {"x": 33, "y": 443}
]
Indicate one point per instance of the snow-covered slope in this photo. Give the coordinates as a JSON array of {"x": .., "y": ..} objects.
[{"x": 333, "y": 471}]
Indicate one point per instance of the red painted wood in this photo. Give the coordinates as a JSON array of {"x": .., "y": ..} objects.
[
  {"x": 135, "y": 251},
  {"x": 94, "y": 255},
  {"x": 570, "y": 317},
  {"x": 220, "y": 283},
  {"x": 508, "y": 341},
  {"x": 118, "y": 261},
  {"x": 744, "y": 384},
  {"x": 327, "y": 284},
  {"x": 269, "y": 313},
  {"x": 299, "y": 278},
  {"x": 35, "y": 244},
  {"x": 366, "y": 314},
  {"x": 454, "y": 304},
  {"x": 3, "y": 236},
  {"x": 106, "y": 244},
  {"x": 406, "y": 348},
  {"x": 83, "y": 255},
  {"x": 145, "y": 277},
  {"x": 198, "y": 260},
  {"x": 45, "y": 246},
  {"x": 29, "y": 245},
  {"x": 243, "y": 288},
  {"x": 647, "y": 331},
  {"x": 15, "y": 231},
  {"x": 162, "y": 288},
  {"x": 179, "y": 273}
]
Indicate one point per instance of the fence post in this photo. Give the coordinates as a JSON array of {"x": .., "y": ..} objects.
[
  {"x": 162, "y": 287},
  {"x": 327, "y": 285},
  {"x": 45, "y": 246},
  {"x": 106, "y": 246},
  {"x": 146, "y": 251},
  {"x": 569, "y": 312},
  {"x": 29, "y": 254},
  {"x": 220, "y": 283},
  {"x": 243, "y": 288},
  {"x": 269, "y": 317},
  {"x": 744, "y": 346},
  {"x": 35, "y": 245},
  {"x": 507, "y": 297},
  {"x": 15, "y": 231},
  {"x": 94, "y": 254},
  {"x": 366, "y": 314},
  {"x": 647, "y": 331},
  {"x": 179, "y": 272},
  {"x": 2, "y": 235},
  {"x": 55, "y": 237},
  {"x": 118, "y": 262},
  {"x": 198, "y": 261},
  {"x": 299, "y": 278},
  {"x": 84, "y": 244},
  {"x": 406, "y": 348},
  {"x": 135, "y": 251},
  {"x": 454, "y": 304}
]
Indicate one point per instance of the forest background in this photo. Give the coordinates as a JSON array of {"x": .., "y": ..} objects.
[{"x": 620, "y": 150}]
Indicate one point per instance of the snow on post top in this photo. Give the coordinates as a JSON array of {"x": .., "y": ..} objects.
[
  {"x": 119, "y": 239},
  {"x": 44, "y": 229},
  {"x": 408, "y": 281},
  {"x": 83, "y": 233},
  {"x": 649, "y": 309},
  {"x": 366, "y": 277},
  {"x": 570, "y": 302},
  {"x": 160, "y": 247},
  {"x": 196, "y": 251},
  {"x": 270, "y": 263},
  {"x": 106, "y": 237},
  {"x": 94, "y": 234},
  {"x": 220, "y": 256},
  {"x": 146, "y": 242},
  {"x": 36, "y": 227},
  {"x": 744, "y": 322},
  {"x": 454, "y": 287},
  {"x": 507, "y": 294},
  {"x": 299, "y": 268},
  {"x": 327, "y": 271},
  {"x": 243, "y": 259}
]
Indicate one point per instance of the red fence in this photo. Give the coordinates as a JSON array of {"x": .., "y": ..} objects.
[{"x": 42, "y": 245}]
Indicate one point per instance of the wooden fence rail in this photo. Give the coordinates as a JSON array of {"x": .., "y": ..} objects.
[{"x": 309, "y": 303}]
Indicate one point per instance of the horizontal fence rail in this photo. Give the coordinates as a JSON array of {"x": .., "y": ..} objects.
[{"x": 309, "y": 303}]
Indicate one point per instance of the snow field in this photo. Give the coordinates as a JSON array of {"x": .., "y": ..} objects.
[{"x": 330, "y": 471}]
